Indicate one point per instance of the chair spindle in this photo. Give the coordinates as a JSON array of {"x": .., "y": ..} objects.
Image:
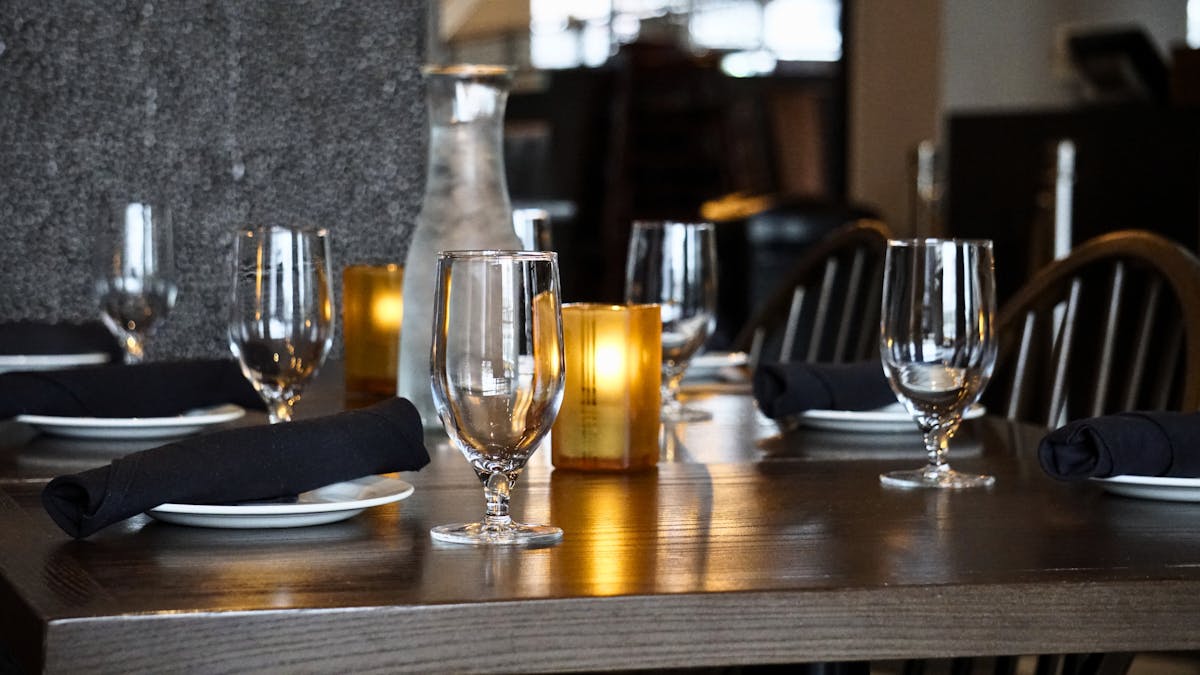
[
  {"x": 1056, "y": 415},
  {"x": 1017, "y": 394},
  {"x": 849, "y": 311},
  {"x": 1141, "y": 349},
  {"x": 793, "y": 325},
  {"x": 828, "y": 282},
  {"x": 1111, "y": 315}
]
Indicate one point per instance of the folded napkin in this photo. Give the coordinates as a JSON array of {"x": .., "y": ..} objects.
[
  {"x": 784, "y": 389},
  {"x": 1134, "y": 443},
  {"x": 143, "y": 390},
  {"x": 39, "y": 338},
  {"x": 243, "y": 464}
]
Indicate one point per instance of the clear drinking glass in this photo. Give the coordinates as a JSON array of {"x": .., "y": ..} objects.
[
  {"x": 674, "y": 265},
  {"x": 498, "y": 376},
  {"x": 281, "y": 325},
  {"x": 135, "y": 283},
  {"x": 937, "y": 343}
]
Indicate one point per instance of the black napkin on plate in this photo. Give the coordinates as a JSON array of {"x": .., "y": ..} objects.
[
  {"x": 784, "y": 389},
  {"x": 38, "y": 338},
  {"x": 142, "y": 390},
  {"x": 1134, "y": 443},
  {"x": 244, "y": 464}
]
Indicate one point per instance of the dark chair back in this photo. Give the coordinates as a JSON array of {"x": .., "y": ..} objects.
[
  {"x": 1114, "y": 326},
  {"x": 827, "y": 308}
]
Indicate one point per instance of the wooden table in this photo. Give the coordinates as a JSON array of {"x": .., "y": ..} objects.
[{"x": 745, "y": 546}]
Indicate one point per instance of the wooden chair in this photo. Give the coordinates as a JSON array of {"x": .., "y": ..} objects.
[
  {"x": 827, "y": 308},
  {"x": 1114, "y": 326}
]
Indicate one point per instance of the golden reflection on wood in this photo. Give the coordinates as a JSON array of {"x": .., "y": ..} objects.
[{"x": 611, "y": 520}]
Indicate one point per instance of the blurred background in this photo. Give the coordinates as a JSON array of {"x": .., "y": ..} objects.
[
  {"x": 777, "y": 119},
  {"x": 781, "y": 119}
]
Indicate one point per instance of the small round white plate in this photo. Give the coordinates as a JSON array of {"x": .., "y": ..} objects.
[
  {"x": 1153, "y": 487},
  {"x": 316, "y": 507},
  {"x": 96, "y": 428},
  {"x": 715, "y": 361},
  {"x": 50, "y": 361},
  {"x": 892, "y": 418}
]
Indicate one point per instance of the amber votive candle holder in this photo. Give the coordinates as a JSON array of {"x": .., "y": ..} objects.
[
  {"x": 372, "y": 313},
  {"x": 609, "y": 418}
]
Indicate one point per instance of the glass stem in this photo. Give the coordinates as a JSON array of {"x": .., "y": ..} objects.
[
  {"x": 496, "y": 491},
  {"x": 135, "y": 348},
  {"x": 670, "y": 391},
  {"x": 278, "y": 409},
  {"x": 937, "y": 441}
]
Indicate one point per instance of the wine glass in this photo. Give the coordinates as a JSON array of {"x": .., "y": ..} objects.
[
  {"x": 674, "y": 265},
  {"x": 497, "y": 372},
  {"x": 281, "y": 323},
  {"x": 938, "y": 344},
  {"x": 135, "y": 284}
]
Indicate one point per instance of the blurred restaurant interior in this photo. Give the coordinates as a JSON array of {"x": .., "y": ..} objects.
[
  {"x": 781, "y": 119},
  {"x": 1036, "y": 124}
]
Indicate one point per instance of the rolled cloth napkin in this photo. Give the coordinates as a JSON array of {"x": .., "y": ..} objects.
[
  {"x": 783, "y": 389},
  {"x": 143, "y": 390},
  {"x": 244, "y": 464},
  {"x": 39, "y": 338},
  {"x": 1134, "y": 443}
]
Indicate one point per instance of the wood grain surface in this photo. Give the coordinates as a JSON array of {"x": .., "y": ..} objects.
[{"x": 746, "y": 545}]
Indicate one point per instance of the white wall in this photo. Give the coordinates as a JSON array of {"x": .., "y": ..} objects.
[
  {"x": 894, "y": 75},
  {"x": 1003, "y": 54}
]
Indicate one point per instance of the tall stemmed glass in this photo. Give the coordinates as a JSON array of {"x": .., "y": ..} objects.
[
  {"x": 674, "y": 265},
  {"x": 135, "y": 283},
  {"x": 497, "y": 372},
  {"x": 938, "y": 344},
  {"x": 281, "y": 325}
]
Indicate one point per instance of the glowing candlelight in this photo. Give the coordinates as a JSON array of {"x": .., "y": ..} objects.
[
  {"x": 373, "y": 311},
  {"x": 609, "y": 417}
]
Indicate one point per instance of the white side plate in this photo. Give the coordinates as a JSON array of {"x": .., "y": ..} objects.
[
  {"x": 133, "y": 427},
  {"x": 1153, "y": 487},
  {"x": 717, "y": 361},
  {"x": 316, "y": 507},
  {"x": 50, "y": 361},
  {"x": 892, "y": 418},
  {"x": 710, "y": 371}
]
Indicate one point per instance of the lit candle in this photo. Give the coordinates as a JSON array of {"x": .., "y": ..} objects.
[
  {"x": 373, "y": 309},
  {"x": 387, "y": 309},
  {"x": 610, "y": 413}
]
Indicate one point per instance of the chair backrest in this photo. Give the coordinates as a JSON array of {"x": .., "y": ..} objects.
[
  {"x": 1113, "y": 326},
  {"x": 827, "y": 308}
]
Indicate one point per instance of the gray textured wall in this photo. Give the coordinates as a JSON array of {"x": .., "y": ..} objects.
[{"x": 232, "y": 111}]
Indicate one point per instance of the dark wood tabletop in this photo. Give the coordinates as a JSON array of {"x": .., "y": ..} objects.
[{"x": 746, "y": 545}]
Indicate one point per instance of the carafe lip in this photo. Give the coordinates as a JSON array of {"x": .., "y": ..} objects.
[
  {"x": 467, "y": 70},
  {"x": 497, "y": 255}
]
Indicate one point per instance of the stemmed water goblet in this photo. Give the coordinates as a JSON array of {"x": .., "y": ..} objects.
[
  {"x": 497, "y": 373},
  {"x": 135, "y": 283},
  {"x": 674, "y": 265},
  {"x": 938, "y": 344},
  {"x": 281, "y": 321}
]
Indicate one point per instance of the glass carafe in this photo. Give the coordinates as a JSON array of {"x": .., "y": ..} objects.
[{"x": 466, "y": 204}]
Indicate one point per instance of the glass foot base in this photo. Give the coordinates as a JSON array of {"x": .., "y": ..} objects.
[
  {"x": 947, "y": 479},
  {"x": 685, "y": 414},
  {"x": 514, "y": 534}
]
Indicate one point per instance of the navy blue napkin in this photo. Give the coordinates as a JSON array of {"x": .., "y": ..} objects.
[
  {"x": 245, "y": 464},
  {"x": 160, "y": 389},
  {"x": 1129, "y": 443},
  {"x": 36, "y": 338},
  {"x": 784, "y": 389}
]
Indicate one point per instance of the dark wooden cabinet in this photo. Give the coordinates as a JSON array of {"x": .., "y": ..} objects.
[{"x": 1135, "y": 167}]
